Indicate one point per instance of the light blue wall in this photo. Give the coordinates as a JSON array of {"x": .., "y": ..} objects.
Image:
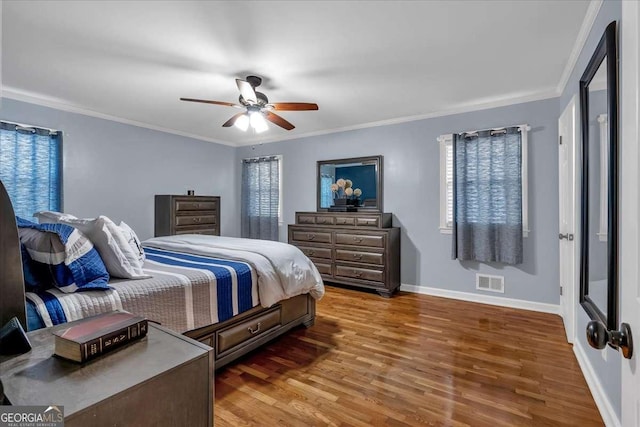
[
  {"x": 608, "y": 372},
  {"x": 411, "y": 193},
  {"x": 115, "y": 169}
]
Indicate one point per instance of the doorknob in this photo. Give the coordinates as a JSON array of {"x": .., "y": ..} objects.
[
  {"x": 598, "y": 337},
  {"x": 567, "y": 236}
]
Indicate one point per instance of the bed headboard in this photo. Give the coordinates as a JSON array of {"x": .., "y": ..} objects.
[{"x": 12, "y": 299}]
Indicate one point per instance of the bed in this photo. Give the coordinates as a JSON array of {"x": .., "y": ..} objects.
[{"x": 232, "y": 294}]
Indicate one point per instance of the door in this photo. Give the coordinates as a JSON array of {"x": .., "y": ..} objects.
[
  {"x": 567, "y": 136},
  {"x": 629, "y": 205}
]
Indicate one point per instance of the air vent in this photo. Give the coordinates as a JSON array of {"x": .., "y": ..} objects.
[{"x": 486, "y": 282}]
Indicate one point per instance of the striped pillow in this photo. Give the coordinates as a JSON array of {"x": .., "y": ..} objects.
[{"x": 62, "y": 256}]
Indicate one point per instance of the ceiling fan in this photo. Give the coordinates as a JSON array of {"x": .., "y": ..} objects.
[{"x": 257, "y": 107}]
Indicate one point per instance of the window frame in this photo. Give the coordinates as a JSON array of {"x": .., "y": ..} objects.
[
  {"x": 280, "y": 184},
  {"x": 446, "y": 140}
]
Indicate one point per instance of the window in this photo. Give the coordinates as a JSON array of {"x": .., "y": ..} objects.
[
  {"x": 31, "y": 168},
  {"x": 326, "y": 195},
  {"x": 446, "y": 183},
  {"x": 261, "y": 197}
]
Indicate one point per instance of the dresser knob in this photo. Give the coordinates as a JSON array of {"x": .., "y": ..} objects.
[
  {"x": 357, "y": 273},
  {"x": 357, "y": 256},
  {"x": 357, "y": 239},
  {"x": 311, "y": 236},
  {"x": 311, "y": 253}
]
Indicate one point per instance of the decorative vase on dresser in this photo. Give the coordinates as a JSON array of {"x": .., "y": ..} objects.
[
  {"x": 359, "y": 249},
  {"x": 187, "y": 215}
]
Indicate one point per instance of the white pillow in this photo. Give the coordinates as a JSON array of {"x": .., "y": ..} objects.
[
  {"x": 133, "y": 241},
  {"x": 112, "y": 245},
  {"x": 51, "y": 217}
]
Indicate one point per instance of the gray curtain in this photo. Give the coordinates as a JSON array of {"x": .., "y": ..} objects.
[
  {"x": 488, "y": 196},
  {"x": 260, "y": 198}
]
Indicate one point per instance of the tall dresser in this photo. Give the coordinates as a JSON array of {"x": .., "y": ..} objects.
[
  {"x": 187, "y": 215},
  {"x": 353, "y": 248}
]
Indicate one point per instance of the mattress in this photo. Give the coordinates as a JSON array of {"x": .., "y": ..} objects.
[{"x": 185, "y": 292}]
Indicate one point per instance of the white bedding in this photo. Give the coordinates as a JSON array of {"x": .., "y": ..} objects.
[{"x": 283, "y": 270}]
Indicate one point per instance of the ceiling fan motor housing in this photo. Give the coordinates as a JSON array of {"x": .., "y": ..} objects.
[{"x": 260, "y": 97}]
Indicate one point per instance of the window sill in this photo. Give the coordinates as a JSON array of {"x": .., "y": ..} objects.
[{"x": 449, "y": 230}]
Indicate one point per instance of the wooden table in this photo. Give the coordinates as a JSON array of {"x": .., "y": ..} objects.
[{"x": 164, "y": 379}]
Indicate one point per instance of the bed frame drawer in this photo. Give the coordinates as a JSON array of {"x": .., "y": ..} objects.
[
  {"x": 360, "y": 256},
  {"x": 248, "y": 329}
]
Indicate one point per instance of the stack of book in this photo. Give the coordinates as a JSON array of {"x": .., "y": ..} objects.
[{"x": 85, "y": 339}]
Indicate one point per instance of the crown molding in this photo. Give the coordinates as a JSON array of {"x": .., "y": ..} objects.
[
  {"x": 45, "y": 101},
  {"x": 585, "y": 29}
]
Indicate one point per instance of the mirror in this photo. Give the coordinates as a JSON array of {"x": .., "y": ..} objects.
[
  {"x": 599, "y": 204},
  {"x": 365, "y": 174}
]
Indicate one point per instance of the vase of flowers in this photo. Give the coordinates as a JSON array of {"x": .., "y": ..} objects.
[{"x": 344, "y": 194}]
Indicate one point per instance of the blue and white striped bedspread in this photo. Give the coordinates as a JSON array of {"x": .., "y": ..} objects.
[{"x": 185, "y": 292}]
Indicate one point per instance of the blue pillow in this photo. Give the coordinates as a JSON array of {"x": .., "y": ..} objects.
[{"x": 64, "y": 255}]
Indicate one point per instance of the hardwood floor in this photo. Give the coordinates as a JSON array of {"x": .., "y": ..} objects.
[{"x": 410, "y": 360}]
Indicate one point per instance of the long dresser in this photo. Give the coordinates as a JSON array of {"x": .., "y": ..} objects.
[
  {"x": 187, "y": 215},
  {"x": 353, "y": 248}
]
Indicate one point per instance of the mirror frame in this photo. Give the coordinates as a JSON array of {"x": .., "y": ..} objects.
[
  {"x": 376, "y": 160},
  {"x": 607, "y": 48}
]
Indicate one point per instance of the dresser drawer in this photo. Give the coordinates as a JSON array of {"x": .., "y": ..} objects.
[
  {"x": 248, "y": 328},
  {"x": 345, "y": 220},
  {"x": 316, "y": 252},
  {"x": 305, "y": 219},
  {"x": 360, "y": 273},
  {"x": 191, "y": 205},
  {"x": 359, "y": 256},
  {"x": 368, "y": 221},
  {"x": 323, "y": 266},
  {"x": 374, "y": 241},
  {"x": 324, "y": 220},
  {"x": 312, "y": 236},
  {"x": 195, "y": 220}
]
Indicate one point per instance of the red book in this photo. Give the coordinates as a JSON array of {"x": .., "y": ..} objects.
[{"x": 87, "y": 338}]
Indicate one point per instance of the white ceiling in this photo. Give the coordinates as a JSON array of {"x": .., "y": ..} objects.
[{"x": 363, "y": 62}]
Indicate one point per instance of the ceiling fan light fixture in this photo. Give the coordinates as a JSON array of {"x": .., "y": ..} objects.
[
  {"x": 242, "y": 123},
  {"x": 258, "y": 122}
]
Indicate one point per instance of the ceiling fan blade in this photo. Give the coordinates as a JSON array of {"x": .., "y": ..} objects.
[
  {"x": 247, "y": 91},
  {"x": 274, "y": 118},
  {"x": 294, "y": 106},
  {"x": 232, "y": 120},
  {"x": 205, "y": 101}
]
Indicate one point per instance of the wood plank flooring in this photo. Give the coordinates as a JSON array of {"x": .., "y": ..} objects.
[{"x": 410, "y": 360}]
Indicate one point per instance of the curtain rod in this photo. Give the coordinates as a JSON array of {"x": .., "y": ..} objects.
[
  {"x": 525, "y": 127},
  {"x": 31, "y": 128}
]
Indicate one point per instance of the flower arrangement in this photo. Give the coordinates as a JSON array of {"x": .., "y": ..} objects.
[{"x": 343, "y": 189}]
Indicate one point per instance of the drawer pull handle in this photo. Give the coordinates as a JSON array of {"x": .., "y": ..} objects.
[
  {"x": 321, "y": 221},
  {"x": 311, "y": 253},
  {"x": 197, "y": 205},
  {"x": 357, "y": 239},
  {"x": 197, "y": 219},
  {"x": 357, "y": 256},
  {"x": 311, "y": 236},
  {"x": 357, "y": 273},
  {"x": 256, "y": 330}
]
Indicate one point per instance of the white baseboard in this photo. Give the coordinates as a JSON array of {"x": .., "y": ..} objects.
[
  {"x": 602, "y": 402},
  {"x": 484, "y": 299}
]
